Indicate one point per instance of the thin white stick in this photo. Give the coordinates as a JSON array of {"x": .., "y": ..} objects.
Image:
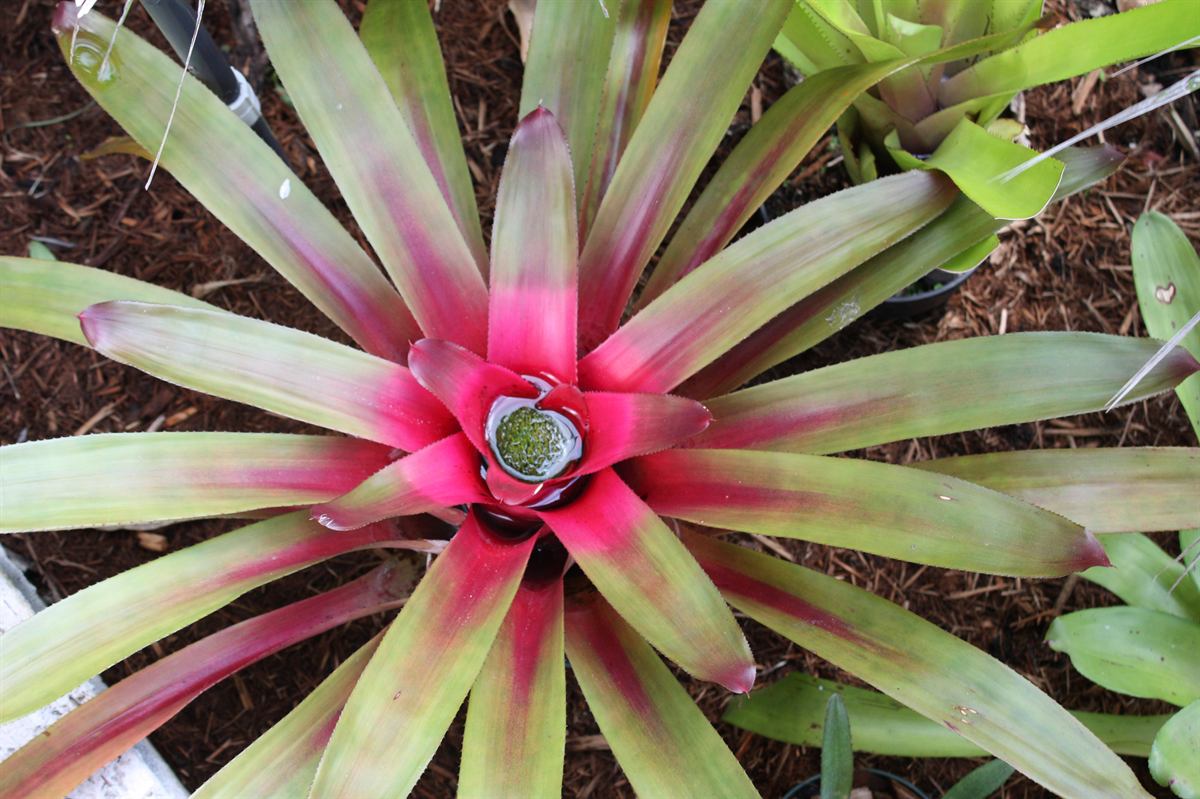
[
  {"x": 1184, "y": 43},
  {"x": 103, "y": 71},
  {"x": 1169, "y": 95},
  {"x": 178, "y": 91},
  {"x": 1163, "y": 351}
]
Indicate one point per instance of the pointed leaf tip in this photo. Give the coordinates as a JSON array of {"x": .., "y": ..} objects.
[
  {"x": 740, "y": 680},
  {"x": 1092, "y": 552},
  {"x": 65, "y": 18}
]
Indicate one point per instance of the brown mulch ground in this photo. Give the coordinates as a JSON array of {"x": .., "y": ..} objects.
[{"x": 1066, "y": 270}]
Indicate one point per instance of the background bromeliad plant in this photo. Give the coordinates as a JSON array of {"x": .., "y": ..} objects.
[{"x": 491, "y": 616}]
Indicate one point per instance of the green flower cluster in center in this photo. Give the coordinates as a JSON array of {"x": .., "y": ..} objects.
[{"x": 531, "y": 443}]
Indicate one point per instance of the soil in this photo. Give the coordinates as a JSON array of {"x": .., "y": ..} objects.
[{"x": 1066, "y": 270}]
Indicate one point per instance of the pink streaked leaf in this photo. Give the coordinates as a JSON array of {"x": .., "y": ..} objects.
[
  {"x": 762, "y": 160},
  {"x": 237, "y": 177},
  {"x": 918, "y": 664},
  {"x": 465, "y": 383},
  {"x": 660, "y": 738},
  {"x": 940, "y": 388},
  {"x": 82, "y": 635},
  {"x": 633, "y": 68},
  {"x": 533, "y": 301},
  {"x": 87, "y": 738},
  {"x": 282, "y": 761},
  {"x": 275, "y": 368},
  {"x": 379, "y": 167},
  {"x": 746, "y": 285},
  {"x": 627, "y": 425},
  {"x": 401, "y": 40},
  {"x": 684, "y": 122},
  {"x": 874, "y": 507},
  {"x": 177, "y": 476},
  {"x": 516, "y": 719},
  {"x": 641, "y": 568},
  {"x": 426, "y": 663},
  {"x": 440, "y": 476}
]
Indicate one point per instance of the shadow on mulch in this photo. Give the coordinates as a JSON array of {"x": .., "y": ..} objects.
[{"x": 1066, "y": 270}]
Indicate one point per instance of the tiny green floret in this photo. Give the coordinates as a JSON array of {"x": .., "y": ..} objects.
[{"x": 531, "y": 444}]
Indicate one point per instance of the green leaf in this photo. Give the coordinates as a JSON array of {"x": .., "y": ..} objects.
[
  {"x": 408, "y": 694},
  {"x": 661, "y": 740},
  {"x": 272, "y": 367},
  {"x": 873, "y": 507},
  {"x": 1144, "y": 576},
  {"x": 281, "y": 762},
  {"x": 977, "y": 160},
  {"x": 837, "y": 757},
  {"x": 569, "y": 52},
  {"x": 1132, "y": 651},
  {"x": 917, "y": 663},
  {"x": 982, "y": 782},
  {"x": 941, "y": 388},
  {"x": 1076, "y": 49},
  {"x": 47, "y": 298},
  {"x": 792, "y": 710},
  {"x": 1107, "y": 490},
  {"x": 812, "y": 44},
  {"x": 84, "y": 634},
  {"x": 128, "y": 478},
  {"x": 40, "y": 252},
  {"x": 401, "y": 40},
  {"x": 682, "y": 126},
  {"x": 1166, "y": 274},
  {"x": 846, "y": 299},
  {"x": 714, "y": 307},
  {"x": 241, "y": 180},
  {"x": 1173, "y": 758},
  {"x": 516, "y": 718},
  {"x": 379, "y": 167}
]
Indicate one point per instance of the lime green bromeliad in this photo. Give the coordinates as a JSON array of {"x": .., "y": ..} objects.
[{"x": 507, "y": 391}]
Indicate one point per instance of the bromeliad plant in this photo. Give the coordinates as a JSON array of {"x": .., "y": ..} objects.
[
  {"x": 971, "y": 58},
  {"x": 553, "y": 436},
  {"x": 1151, "y": 647}
]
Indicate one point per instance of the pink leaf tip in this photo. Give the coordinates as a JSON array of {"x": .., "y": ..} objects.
[
  {"x": 1091, "y": 553},
  {"x": 65, "y": 19},
  {"x": 740, "y": 679}
]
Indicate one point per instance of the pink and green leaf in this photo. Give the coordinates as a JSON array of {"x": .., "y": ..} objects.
[
  {"x": 761, "y": 161},
  {"x": 569, "y": 50},
  {"x": 1132, "y": 651},
  {"x": 848, "y": 298},
  {"x": 378, "y": 165},
  {"x": 793, "y": 710},
  {"x": 533, "y": 301},
  {"x": 46, "y": 297},
  {"x": 82, "y": 635},
  {"x": 425, "y": 665},
  {"x": 684, "y": 122},
  {"x": 940, "y": 388},
  {"x": 513, "y": 747},
  {"x": 637, "y": 562},
  {"x": 1106, "y": 490},
  {"x": 465, "y": 383},
  {"x": 441, "y": 475},
  {"x": 661, "y": 740},
  {"x": 86, "y": 481},
  {"x": 624, "y": 426},
  {"x": 237, "y": 176},
  {"x": 281, "y": 762},
  {"x": 714, "y": 307},
  {"x": 873, "y": 507},
  {"x": 278, "y": 369},
  {"x": 402, "y": 42},
  {"x": 116, "y": 719},
  {"x": 633, "y": 68},
  {"x": 920, "y": 665}
]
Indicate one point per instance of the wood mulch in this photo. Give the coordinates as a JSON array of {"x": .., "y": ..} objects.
[{"x": 1066, "y": 270}]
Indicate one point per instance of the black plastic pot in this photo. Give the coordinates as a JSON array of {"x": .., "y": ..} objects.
[
  {"x": 927, "y": 294},
  {"x": 811, "y": 787}
]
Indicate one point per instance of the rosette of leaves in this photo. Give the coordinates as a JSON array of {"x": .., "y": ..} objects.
[
  {"x": 1151, "y": 646},
  {"x": 965, "y": 61},
  {"x": 585, "y": 458}
]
